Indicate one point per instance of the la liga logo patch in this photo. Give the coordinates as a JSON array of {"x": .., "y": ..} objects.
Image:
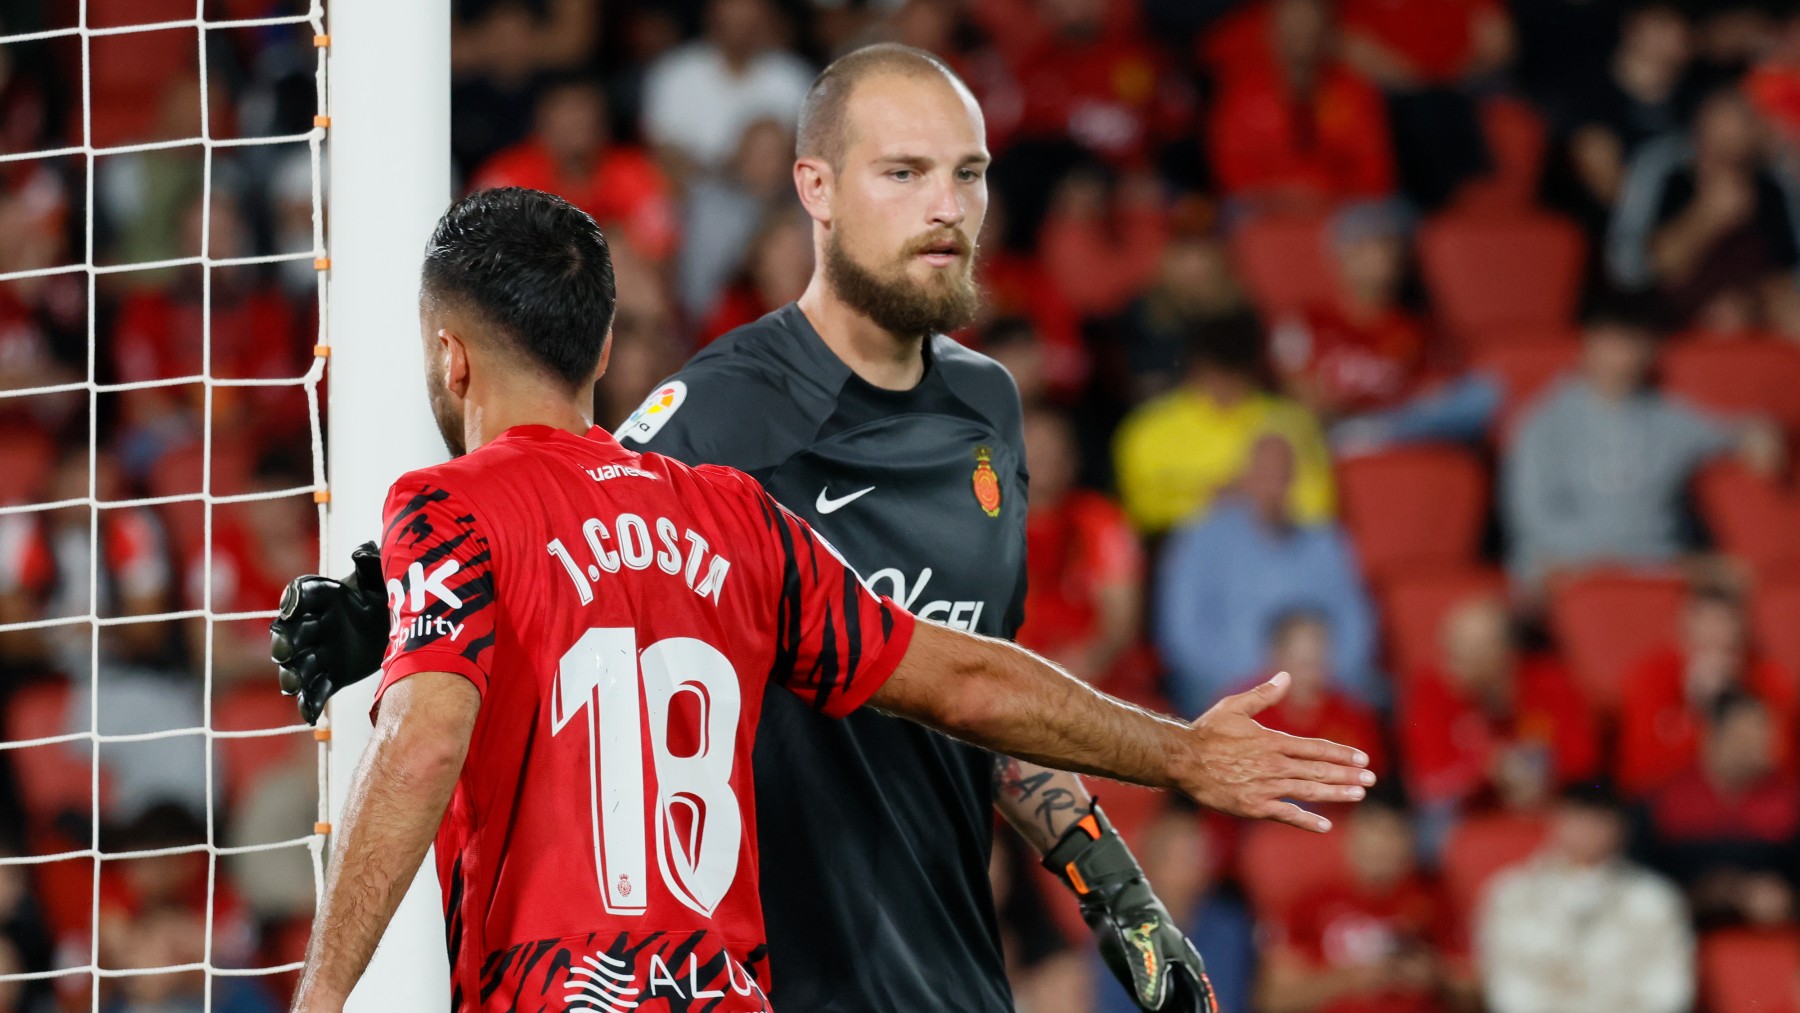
[
  {"x": 654, "y": 413},
  {"x": 986, "y": 482}
]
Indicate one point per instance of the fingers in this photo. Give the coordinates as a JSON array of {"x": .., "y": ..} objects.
[
  {"x": 1254, "y": 701},
  {"x": 366, "y": 568},
  {"x": 1313, "y": 791},
  {"x": 1294, "y": 816},
  {"x": 1328, "y": 773},
  {"x": 1324, "y": 749}
]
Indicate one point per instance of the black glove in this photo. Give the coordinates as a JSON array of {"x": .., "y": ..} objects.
[
  {"x": 1138, "y": 940},
  {"x": 331, "y": 633}
]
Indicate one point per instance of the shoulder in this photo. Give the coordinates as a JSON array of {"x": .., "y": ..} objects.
[
  {"x": 980, "y": 381},
  {"x": 740, "y": 402}
]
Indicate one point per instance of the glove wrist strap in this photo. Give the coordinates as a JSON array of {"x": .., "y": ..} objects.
[{"x": 1091, "y": 858}]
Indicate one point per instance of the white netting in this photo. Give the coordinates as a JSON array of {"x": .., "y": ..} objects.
[{"x": 96, "y": 505}]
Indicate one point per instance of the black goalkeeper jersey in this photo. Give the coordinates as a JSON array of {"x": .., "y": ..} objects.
[{"x": 874, "y": 832}]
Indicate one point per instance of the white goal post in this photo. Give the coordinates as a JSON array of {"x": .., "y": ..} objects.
[{"x": 389, "y": 149}]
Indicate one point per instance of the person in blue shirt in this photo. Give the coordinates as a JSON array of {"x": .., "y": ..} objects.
[
  {"x": 1178, "y": 849},
  {"x": 1228, "y": 575}
]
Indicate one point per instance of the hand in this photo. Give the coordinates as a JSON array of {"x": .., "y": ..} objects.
[
  {"x": 1239, "y": 767},
  {"x": 1140, "y": 943},
  {"x": 330, "y": 633}
]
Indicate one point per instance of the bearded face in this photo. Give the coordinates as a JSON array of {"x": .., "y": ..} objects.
[{"x": 926, "y": 287}]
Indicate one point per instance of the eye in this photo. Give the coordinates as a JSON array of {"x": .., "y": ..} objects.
[
  {"x": 968, "y": 175},
  {"x": 901, "y": 175}
]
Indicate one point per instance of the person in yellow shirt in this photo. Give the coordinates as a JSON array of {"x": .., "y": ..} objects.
[{"x": 1175, "y": 453}]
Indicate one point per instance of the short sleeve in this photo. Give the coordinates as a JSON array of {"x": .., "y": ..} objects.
[
  {"x": 440, "y": 587},
  {"x": 836, "y": 641}
]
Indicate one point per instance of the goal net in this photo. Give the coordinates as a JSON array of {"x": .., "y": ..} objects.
[{"x": 163, "y": 835}]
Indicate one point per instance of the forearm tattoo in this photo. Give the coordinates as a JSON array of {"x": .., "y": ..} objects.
[{"x": 1014, "y": 785}]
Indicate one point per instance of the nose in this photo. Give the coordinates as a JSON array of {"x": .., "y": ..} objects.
[{"x": 947, "y": 209}]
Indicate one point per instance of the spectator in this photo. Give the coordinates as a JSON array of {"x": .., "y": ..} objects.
[
  {"x": 1176, "y": 453},
  {"x": 1305, "y": 131},
  {"x": 775, "y": 272},
  {"x": 1300, "y": 645},
  {"x": 1728, "y": 827},
  {"x": 1228, "y": 576},
  {"x": 1180, "y": 854},
  {"x": 700, "y": 97},
  {"x": 571, "y": 153},
  {"x": 1085, "y": 573},
  {"x": 1429, "y": 56},
  {"x": 1597, "y": 470},
  {"x": 1362, "y": 361},
  {"x": 1087, "y": 74},
  {"x": 1101, "y": 244},
  {"x": 1669, "y": 694},
  {"x": 1706, "y": 216},
  {"x": 1382, "y": 940},
  {"x": 723, "y": 211},
  {"x": 1488, "y": 722},
  {"x": 1640, "y": 99},
  {"x": 499, "y": 55},
  {"x": 1579, "y": 928},
  {"x": 1193, "y": 287}
]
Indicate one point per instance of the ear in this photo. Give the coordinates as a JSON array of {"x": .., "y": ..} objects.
[
  {"x": 605, "y": 356},
  {"x": 455, "y": 363},
  {"x": 816, "y": 183}
]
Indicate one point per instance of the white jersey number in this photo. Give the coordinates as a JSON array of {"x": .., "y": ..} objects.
[{"x": 699, "y": 830}]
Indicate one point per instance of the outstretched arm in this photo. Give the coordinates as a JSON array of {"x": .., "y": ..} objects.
[
  {"x": 396, "y": 803},
  {"x": 1007, "y": 699}
]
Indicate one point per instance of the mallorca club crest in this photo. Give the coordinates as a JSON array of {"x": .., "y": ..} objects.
[{"x": 987, "y": 484}]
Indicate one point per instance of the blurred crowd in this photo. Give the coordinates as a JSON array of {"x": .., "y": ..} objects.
[{"x": 1442, "y": 353}]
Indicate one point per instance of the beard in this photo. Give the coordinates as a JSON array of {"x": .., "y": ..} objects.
[
  {"x": 896, "y": 302},
  {"x": 449, "y": 418}
]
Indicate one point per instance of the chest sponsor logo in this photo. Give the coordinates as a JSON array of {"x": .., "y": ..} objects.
[
  {"x": 654, "y": 413},
  {"x": 963, "y": 615},
  {"x": 986, "y": 482},
  {"x": 826, "y": 505}
]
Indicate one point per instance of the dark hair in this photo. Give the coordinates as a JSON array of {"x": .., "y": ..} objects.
[
  {"x": 1627, "y": 311},
  {"x": 1726, "y": 706},
  {"x": 1005, "y": 332},
  {"x": 1598, "y": 796},
  {"x": 533, "y": 266},
  {"x": 820, "y": 132},
  {"x": 1233, "y": 343},
  {"x": 1289, "y": 620}
]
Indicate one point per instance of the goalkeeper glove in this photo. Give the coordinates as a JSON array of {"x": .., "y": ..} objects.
[
  {"x": 1139, "y": 942},
  {"x": 330, "y": 633}
]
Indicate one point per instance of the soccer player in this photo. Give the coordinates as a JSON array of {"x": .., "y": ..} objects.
[{"x": 580, "y": 638}]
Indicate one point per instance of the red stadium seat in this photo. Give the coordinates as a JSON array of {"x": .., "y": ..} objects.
[
  {"x": 1482, "y": 846},
  {"x": 52, "y": 778},
  {"x": 1606, "y": 621},
  {"x": 1283, "y": 263},
  {"x": 1279, "y": 864},
  {"x": 1750, "y": 971},
  {"x": 252, "y": 708},
  {"x": 1516, "y": 139},
  {"x": 1772, "y": 616},
  {"x": 1743, "y": 377},
  {"x": 1526, "y": 369},
  {"x": 1751, "y": 517},
  {"x": 1413, "y": 507},
  {"x": 1414, "y": 606},
  {"x": 27, "y": 454},
  {"x": 1491, "y": 276}
]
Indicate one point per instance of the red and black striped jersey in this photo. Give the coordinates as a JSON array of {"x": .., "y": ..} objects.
[{"x": 620, "y": 615}]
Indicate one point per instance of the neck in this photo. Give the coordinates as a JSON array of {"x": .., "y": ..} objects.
[
  {"x": 881, "y": 357},
  {"x": 489, "y": 414}
]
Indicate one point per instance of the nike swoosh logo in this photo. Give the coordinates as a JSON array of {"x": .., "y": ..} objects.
[{"x": 826, "y": 505}]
